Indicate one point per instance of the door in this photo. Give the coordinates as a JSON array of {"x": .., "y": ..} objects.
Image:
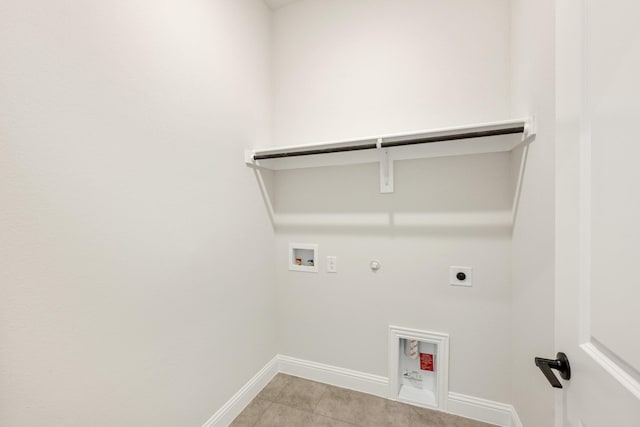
[{"x": 598, "y": 211}]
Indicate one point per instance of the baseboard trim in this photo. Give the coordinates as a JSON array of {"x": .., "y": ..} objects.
[
  {"x": 234, "y": 406},
  {"x": 480, "y": 409},
  {"x": 515, "y": 419},
  {"x": 333, "y": 375},
  {"x": 488, "y": 411}
]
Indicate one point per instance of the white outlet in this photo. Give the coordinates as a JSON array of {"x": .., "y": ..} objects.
[
  {"x": 460, "y": 276},
  {"x": 332, "y": 264}
]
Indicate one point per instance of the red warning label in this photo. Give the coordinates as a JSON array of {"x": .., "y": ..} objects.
[{"x": 426, "y": 361}]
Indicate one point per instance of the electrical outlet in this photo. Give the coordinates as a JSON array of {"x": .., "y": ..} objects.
[
  {"x": 460, "y": 276},
  {"x": 332, "y": 264}
]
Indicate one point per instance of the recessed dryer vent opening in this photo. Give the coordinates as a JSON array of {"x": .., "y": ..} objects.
[
  {"x": 417, "y": 364},
  {"x": 418, "y": 367}
]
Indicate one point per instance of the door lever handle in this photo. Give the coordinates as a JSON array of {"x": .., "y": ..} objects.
[{"x": 560, "y": 363}]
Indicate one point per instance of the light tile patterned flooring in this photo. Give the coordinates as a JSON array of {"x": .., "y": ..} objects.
[{"x": 291, "y": 402}]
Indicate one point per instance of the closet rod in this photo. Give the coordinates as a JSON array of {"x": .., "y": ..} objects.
[
  {"x": 453, "y": 137},
  {"x": 315, "y": 151},
  {"x": 399, "y": 143}
]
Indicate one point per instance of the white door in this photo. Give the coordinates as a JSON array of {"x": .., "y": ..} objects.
[{"x": 598, "y": 211}]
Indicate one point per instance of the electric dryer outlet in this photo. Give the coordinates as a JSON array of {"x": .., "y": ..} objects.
[{"x": 460, "y": 276}]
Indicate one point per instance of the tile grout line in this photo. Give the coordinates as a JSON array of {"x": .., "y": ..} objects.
[
  {"x": 319, "y": 400},
  {"x": 312, "y": 412},
  {"x": 275, "y": 399},
  {"x": 262, "y": 413},
  {"x": 271, "y": 402},
  {"x": 326, "y": 416}
]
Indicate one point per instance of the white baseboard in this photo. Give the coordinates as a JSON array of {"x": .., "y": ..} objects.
[
  {"x": 515, "y": 419},
  {"x": 234, "y": 406},
  {"x": 497, "y": 413},
  {"x": 476, "y": 408},
  {"x": 339, "y": 377}
]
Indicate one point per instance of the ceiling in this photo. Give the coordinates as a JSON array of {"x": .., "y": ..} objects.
[{"x": 275, "y": 4}]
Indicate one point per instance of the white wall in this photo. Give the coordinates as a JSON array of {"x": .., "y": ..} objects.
[
  {"x": 347, "y": 68},
  {"x": 351, "y": 68},
  {"x": 533, "y": 91},
  {"x": 126, "y": 295}
]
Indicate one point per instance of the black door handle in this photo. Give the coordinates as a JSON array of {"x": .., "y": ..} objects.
[{"x": 561, "y": 364}]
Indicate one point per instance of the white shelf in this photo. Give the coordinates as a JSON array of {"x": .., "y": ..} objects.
[
  {"x": 480, "y": 138},
  {"x": 460, "y": 140}
]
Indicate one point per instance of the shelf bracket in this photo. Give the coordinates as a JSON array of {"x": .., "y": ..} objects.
[
  {"x": 248, "y": 159},
  {"x": 530, "y": 128},
  {"x": 386, "y": 169}
]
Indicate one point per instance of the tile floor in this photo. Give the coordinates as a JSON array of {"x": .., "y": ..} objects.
[{"x": 291, "y": 402}]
